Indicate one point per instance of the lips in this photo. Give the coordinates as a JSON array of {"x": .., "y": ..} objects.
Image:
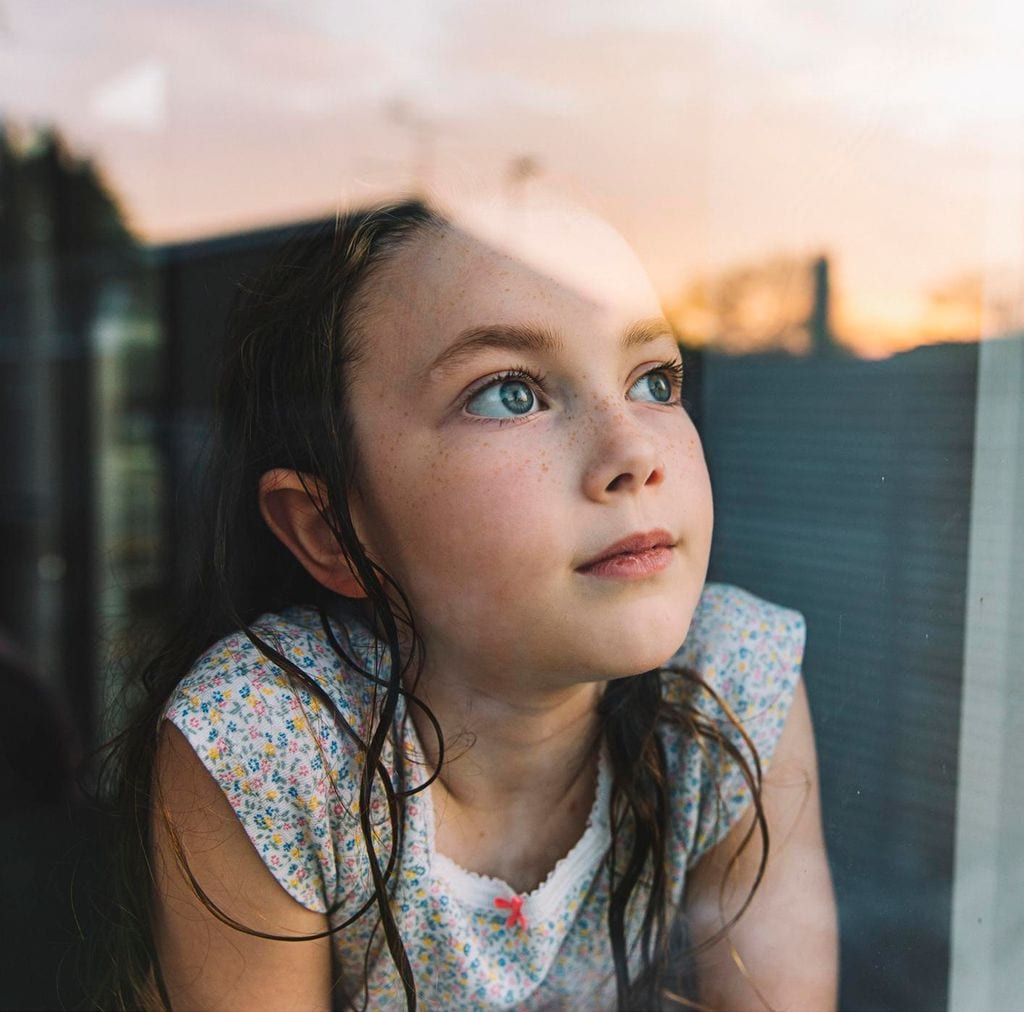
[{"x": 632, "y": 545}]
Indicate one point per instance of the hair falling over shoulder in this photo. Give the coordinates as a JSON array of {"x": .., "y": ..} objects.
[{"x": 282, "y": 402}]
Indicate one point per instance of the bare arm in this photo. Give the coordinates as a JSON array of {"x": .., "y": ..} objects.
[
  {"x": 205, "y": 963},
  {"x": 787, "y": 940}
]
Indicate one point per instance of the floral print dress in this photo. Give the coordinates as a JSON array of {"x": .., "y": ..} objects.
[{"x": 291, "y": 774}]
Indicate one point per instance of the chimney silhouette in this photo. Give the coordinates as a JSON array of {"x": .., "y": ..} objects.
[{"x": 819, "y": 325}]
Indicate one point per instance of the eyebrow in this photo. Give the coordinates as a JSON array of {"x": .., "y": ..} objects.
[{"x": 535, "y": 338}]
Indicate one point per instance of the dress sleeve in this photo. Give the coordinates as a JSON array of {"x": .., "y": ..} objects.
[
  {"x": 283, "y": 760},
  {"x": 750, "y": 652}
]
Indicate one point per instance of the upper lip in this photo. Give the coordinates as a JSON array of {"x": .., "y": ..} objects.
[{"x": 634, "y": 543}]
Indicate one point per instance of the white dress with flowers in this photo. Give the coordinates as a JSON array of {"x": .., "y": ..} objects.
[{"x": 292, "y": 777}]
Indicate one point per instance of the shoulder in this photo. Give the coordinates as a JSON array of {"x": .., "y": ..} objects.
[
  {"x": 193, "y": 823},
  {"x": 237, "y": 661},
  {"x": 277, "y": 723},
  {"x": 747, "y": 656},
  {"x": 749, "y": 651},
  {"x": 265, "y": 682}
]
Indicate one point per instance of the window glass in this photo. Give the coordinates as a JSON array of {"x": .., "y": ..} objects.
[{"x": 829, "y": 200}]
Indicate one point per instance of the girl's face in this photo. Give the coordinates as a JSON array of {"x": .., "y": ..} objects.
[{"x": 484, "y": 493}]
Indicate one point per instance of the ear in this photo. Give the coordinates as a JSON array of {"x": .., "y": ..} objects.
[{"x": 291, "y": 514}]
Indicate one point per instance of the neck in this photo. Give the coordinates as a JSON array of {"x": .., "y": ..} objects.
[{"x": 528, "y": 749}]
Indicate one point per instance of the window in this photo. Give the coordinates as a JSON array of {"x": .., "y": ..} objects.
[{"x": 830, "y": 204}]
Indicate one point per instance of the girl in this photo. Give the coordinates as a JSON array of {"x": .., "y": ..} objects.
[{"x": 455, "y": 721}]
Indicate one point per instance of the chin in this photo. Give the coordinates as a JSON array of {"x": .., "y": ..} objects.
[
  {"x": 632, "y": 654},
  {"x": 654, "y": 641}
]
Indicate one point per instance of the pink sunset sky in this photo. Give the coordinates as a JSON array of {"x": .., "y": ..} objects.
[{"x": 720, "y": 138}]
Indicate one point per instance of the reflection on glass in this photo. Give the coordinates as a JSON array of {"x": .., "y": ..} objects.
[{"x": 830, "y": 208}]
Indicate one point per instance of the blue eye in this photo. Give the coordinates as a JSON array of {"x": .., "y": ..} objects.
[
  {"x": 508, "y": 393},
  {"x": 662, "y": 383}
]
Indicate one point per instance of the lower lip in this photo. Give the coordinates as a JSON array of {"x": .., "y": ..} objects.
[{"x": 632, "y": 565}]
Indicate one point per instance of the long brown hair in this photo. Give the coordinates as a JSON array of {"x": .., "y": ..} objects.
[{"x": 282, "y": 401}]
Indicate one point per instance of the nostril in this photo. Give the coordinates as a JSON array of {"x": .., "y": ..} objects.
[{"x": 627, "y": 478}]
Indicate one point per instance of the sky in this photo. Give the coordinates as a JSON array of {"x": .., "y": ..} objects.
[{"x": 724, "y": 140}]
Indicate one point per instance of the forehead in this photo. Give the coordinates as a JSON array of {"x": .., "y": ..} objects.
[{"x": 558, "y": 268}]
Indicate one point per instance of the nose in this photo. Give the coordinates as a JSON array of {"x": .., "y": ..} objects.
[{"x": 624, "y": 455}]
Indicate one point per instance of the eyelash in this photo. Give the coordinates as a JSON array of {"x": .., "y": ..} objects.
[{"x": 673, "y": 368}]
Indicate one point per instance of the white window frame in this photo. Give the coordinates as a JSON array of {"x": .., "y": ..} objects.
[{"x": 987, "y": 937}]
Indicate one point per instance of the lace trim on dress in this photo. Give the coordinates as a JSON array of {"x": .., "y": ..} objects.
[{"x": 569, "y": 874}]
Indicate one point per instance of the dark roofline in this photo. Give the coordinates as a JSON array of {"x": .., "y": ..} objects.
[{"x": 218, "y": 245}]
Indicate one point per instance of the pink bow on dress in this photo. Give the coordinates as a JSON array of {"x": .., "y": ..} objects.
[{"x": 516, "y": 906}]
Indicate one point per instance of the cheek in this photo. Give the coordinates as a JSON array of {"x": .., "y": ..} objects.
[
  {"x": 469, "y": 518},
  {"x": 692, "y": 465},
  {"x": 701, "y": 501},
  {"x": 688, "y": 486}
]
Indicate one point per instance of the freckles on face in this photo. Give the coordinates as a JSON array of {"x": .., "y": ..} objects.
[
  {"x": 484, "y": 529},
  {"x": 481, "y": 524},
  {"x": 467, "y": 518}
]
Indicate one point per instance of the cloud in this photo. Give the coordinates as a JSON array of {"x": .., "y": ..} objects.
[{"x": 135, "y": 98}]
